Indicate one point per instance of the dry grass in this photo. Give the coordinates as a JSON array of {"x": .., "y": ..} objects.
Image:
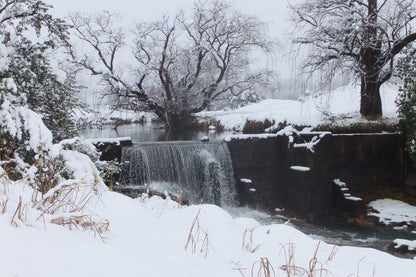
[
  {"x": 357, "y": 273},
  {"x": 3, "y": 205},
  {"x": 248, "y": 243},
  {"x": 67, "y": 199},
  {"x": 20, "y": 213},
  {"x": 315, "y": 268},
  {"x": 83, "y": 222},
  {"x": 331, "y": 255},
  {"x": 240, "y": 269},
  {"x": 46, "y": 177},
  {"x": 198, "y": 239},
  {"x": 4, "y": 180},
  {"x": 70, "y": 199},
  {"x": 262, "y": 268}
]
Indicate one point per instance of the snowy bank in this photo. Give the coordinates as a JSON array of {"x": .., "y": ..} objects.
[
  {"x": 105, "y": 115},
  {"x": 342, "y": 104},
  {"x": 148, "y": 237}
]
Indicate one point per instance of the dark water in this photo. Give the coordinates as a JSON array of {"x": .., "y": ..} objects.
[
  {"x": 379, "y": 237},
  {"x": 150, "y": 133}
]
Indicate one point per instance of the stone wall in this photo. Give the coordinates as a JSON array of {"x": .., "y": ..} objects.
[
  {"x": 365, "y": 163},
  {"x": 111, "y": 149}
]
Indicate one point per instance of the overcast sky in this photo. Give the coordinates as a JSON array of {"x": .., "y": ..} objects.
[{"x": 274, "y": 12}]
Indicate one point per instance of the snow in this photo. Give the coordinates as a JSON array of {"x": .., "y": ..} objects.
[
  {"x": 345, "y": 190},
  {"x": 248, "y": 137},
  {"x": 109, "y": 140},
  {"x": 147, "y": 237},
  {"x": 393, "y": 211},
  {"x": 308, "y": 145},
  {"x": 411, "y": 245},
  {"x": 107, "y": 115},
  {"x": 80, "y": 228},
  {"x": 339, "y": 183},
  {"x": 300, "y": 168},
  {"x": 16, "y": 119},
  {"x": 40, "y": 136},
  {"x": 342, "y": 104},
  {"x": 353, "y": 198}
]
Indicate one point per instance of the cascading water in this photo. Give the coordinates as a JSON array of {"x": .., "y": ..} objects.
[{"x": 200, "y": 172}]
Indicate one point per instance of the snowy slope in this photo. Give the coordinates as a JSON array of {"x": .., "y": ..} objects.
[
  {"x": 147, "y": 237},
  {"x": 343, "y": 102}
]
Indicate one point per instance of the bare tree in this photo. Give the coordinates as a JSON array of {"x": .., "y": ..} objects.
[
  {"x": 181, "y": 65},
  {"x": 361, "y": 36}
]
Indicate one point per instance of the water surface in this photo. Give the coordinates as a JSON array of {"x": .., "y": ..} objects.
[{"x": 149, "y": 132}]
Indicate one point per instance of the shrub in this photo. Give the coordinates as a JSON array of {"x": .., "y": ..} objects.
[
  {"x": 257, "y": 127},
  {"x": 407, "y": 98},
  {"x": 360, "y": 127}
]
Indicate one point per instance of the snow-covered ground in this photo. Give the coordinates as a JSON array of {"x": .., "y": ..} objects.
[
  {"x": 390, "y": 211},
  {"x": 342, "y": 104},
  {"x": 393, "y": 211},
  {"x": 155, "y": 237},
  {"x": 106, "y": 115}
]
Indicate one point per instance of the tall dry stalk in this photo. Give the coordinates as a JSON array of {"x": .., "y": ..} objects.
[
  {"x": 265, "y": 268},
  {"x": 198, "y": 238}
]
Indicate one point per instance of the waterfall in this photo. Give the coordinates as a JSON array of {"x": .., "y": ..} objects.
[{"x": 199, "y": 172}]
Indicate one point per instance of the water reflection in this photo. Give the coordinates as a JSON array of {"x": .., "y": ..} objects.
[{"x": 149, "y": 132}]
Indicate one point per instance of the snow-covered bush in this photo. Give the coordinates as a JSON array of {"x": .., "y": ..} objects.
[
  {"x": 40, "y": 180},
  {"x": 407, "y": 98},
  {"x": 54, "y": 182}
]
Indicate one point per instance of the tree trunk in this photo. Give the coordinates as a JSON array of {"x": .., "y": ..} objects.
[
  {"x": 369, "y": 58},
  {"x": 370, "y": 98},
  {"x": 179, "y": 122}
]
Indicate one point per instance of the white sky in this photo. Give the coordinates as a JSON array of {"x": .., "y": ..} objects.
[{"x": 273, "y": 12}]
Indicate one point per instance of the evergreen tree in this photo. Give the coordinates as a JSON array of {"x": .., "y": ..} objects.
[
  {"x": 53, "y": 99},
  {"x": 36, "y": 83},
  {"x": 407, "y": 98}
]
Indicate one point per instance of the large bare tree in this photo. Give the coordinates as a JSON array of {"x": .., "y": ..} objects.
[
  {"x": 361, "y": 36},
  {"x": 181, "y": 65}
]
